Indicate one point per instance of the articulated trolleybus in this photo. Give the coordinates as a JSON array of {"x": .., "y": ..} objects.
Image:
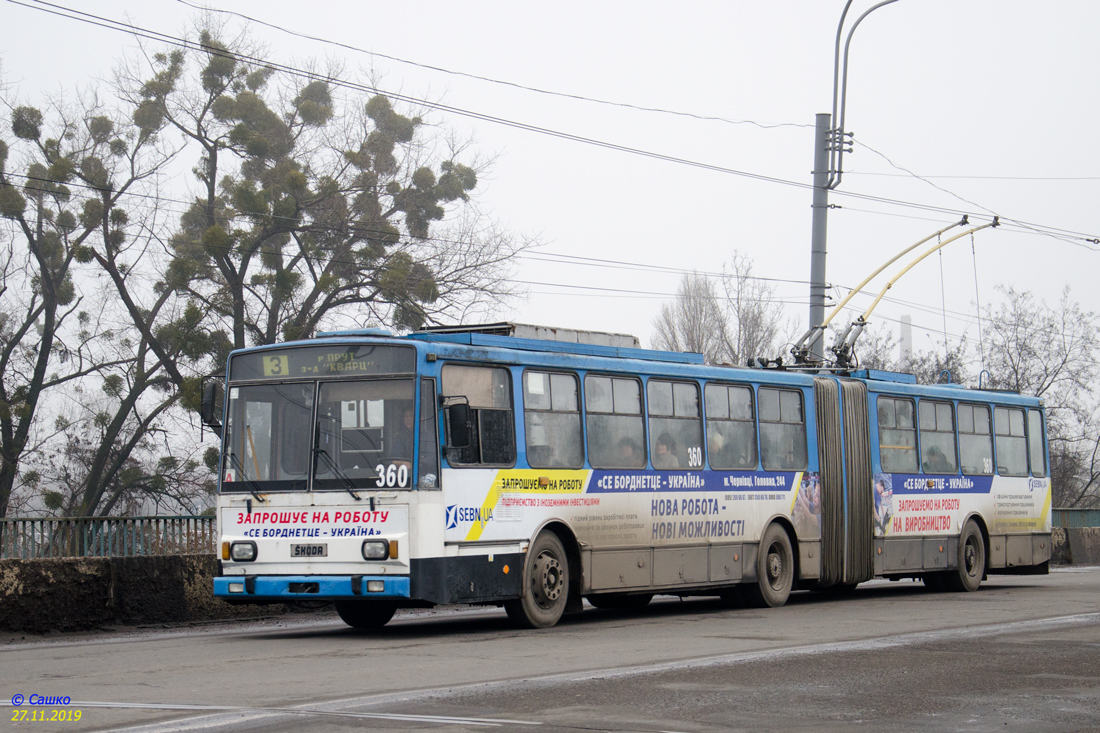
[{"x": 465, "y": 466}]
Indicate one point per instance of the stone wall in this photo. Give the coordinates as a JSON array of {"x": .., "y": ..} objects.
[
  {"x": 71, "y": 594},
  {"x": 1076, "y": 546}
]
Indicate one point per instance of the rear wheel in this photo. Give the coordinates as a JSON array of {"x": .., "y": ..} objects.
[
  {"x": 365, "y": 614},
  {"x": 620, "y": 601},
  {"x": 774, "y": 570},
  {"x": 545, "y": 584},
  {"x": 971, "y": 566}
]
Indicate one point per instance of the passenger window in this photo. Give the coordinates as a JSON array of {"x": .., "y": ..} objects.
[
  {"x": 782, "y": 430},
  {"x": 428, "y": 455},
  {"x": 937, "y": 437},
  {"x": 552, "y": 418},
  {"x": 1035, "y": 443},
  {"x": 489, "y": 391},
  {"x": 975, "y": 440},
  {"x": 675, "y": 428},
  {"x": 613, "y": 420},
  {"x": 731, "y": 430},
  {"x": 1011, "y": 441},
  {"x": 897, "y": 435}
]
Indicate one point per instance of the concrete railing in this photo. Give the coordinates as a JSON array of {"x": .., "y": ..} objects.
[{"x": 28, "y": 539}]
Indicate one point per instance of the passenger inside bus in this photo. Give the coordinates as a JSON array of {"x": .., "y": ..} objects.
[
  {"x": 664, "y": 452},
  {"x": 937, "y": 462},
  {"x": 629, "y": 454},
  {"x": 716, "y": 448}
]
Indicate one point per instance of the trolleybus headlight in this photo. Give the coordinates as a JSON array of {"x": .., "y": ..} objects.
[
  {"x": 376, "y": 550},
  {"x": 376, "y": 586},
  {"x": 236, "y": 587},
  {"x": 243, "y": 551}
]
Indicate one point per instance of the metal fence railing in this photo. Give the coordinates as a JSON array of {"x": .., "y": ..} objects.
[
  {"x": 130, "y": 536},
  {"x": 1075, "y": 518},
  {"x": 106, "y": 536}
]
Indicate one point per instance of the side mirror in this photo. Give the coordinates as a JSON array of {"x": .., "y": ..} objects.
[
  {"x": 459, "y": 427},
  {"x": 210, "y": 410}
]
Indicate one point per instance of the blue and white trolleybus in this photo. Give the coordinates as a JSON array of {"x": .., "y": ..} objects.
[{"x": 466, "y": 466}]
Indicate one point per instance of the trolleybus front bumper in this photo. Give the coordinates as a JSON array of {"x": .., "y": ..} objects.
[{"x": 278, "y": 588}]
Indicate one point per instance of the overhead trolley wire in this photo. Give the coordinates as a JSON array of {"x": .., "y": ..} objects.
[
  {"x": 491, "y": 80},
  {"x": 536, "y": 255},
  {"x": 120, "y": 26}
]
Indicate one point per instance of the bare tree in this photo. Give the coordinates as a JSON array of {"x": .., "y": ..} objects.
[
  {"x": 1038, "y": 350},
  {"x": 694, "y": 322},
  {"x": 743, "y": 324},
  {"x": 754, "y": 315},
  {"x": 70, "y": 161},
  {"x": 1051, "y": 352},
  {"x": 876, "y": 349}
]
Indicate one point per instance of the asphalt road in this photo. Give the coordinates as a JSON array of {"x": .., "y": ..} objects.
[{"x": 1021, "y": 654}]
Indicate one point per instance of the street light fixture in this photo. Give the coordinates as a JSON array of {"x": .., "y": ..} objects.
[{"x": 830, "y": 144}]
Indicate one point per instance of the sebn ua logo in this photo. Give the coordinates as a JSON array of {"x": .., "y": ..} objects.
[{"x": 456, "y": 514}]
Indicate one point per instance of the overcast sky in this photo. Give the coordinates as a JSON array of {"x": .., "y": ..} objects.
[{"x": 992, "y": 102}]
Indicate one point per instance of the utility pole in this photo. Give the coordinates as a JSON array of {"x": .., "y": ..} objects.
[
  {"x": 830, "y": 144},
  {"x": 819, "y": 230}
]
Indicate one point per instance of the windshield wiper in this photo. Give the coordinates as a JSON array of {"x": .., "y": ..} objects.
[
  {"x": 348, "y": 485},
  {"x": 249, "y": 484}
]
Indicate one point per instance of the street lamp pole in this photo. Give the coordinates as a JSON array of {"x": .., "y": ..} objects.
[{"x": 830, "y": 144}]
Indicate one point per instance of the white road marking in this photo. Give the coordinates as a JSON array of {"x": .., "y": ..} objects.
[{"x": 263, "y": 712}]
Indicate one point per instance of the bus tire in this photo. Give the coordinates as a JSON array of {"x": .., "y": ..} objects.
[
  {"x": 365, "y": 614},
  {"x": 545, "y": 585},
  {"x": 621, "y": 601},
  {"x": 774, "y": 570},
  {"x": 971, "y": 566}
]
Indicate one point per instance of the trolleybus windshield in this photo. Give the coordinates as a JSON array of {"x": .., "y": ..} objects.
[
  {"x": 364, "y": 436},
  {"x": 267, "y": 437}
]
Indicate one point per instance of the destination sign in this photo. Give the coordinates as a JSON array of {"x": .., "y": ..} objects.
[{"x": 323, "y": 361}]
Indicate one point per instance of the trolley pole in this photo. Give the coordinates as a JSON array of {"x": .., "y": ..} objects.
[{"x": 819, "y": 231}]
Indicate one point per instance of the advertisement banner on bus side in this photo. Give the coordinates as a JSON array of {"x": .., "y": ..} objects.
[
  {"x": 627, "y": 506},
  {"x": 915, "y": 504}
]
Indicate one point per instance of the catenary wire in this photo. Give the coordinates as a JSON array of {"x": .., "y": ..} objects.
[
  {"x": 1022, "y": 225},
  {"x": 491, "y": 80},
  {"x": 565, "y": 259},
  {"x": 119, "y": 26}
]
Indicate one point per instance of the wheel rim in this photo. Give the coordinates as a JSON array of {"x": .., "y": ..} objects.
[
  {"x": 970, "y": 556},
  {"x": 547, "y": 580},
  {"x": 776, "y": 569}
]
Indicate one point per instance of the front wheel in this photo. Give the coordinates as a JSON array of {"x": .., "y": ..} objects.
[
  {"x": 545, "y": 585},
  {"x": 774, "y": 570},
  {"x": 971, "y": 566},
  {"x": 365, "y": 614}
]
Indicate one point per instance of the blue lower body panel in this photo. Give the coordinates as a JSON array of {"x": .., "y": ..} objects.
[{"x": 309, "y": 587}]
